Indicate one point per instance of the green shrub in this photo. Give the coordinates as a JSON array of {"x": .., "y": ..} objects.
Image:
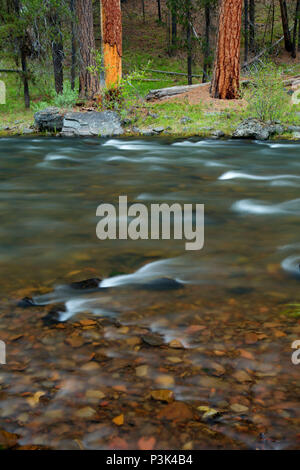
[
  {"x": 39, "y": 106},
  {"x": 67, "y": 99},
  {"x": 266, "y": 96}
]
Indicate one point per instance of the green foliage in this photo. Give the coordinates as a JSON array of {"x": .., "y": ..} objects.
[
  {"x": 266, "y": 96},
  {"x": 39, "y": 105},
  {"x": 124, "y": 95},
  {"x": 67, "y": 99}
]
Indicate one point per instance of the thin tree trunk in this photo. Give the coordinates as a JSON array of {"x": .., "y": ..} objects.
[
  {"x": 299, "y": 35},
  {"x": 25, "y": 77},
  {"x": 174, "y": 28},
  {"x": 296, "y": 21},
  {"x": 159, "y": 10},
  {"x": 252, "y": 25},
  {"x": 189, "y": 42},
  {"x": 57, "y": 53},
  {"x": 285, "y": 26},
  {"x": 111, "y": 22},
  {"x": 89, "y": 80},
  {"x": 23, "y": 55},
  {"x": 246, "y": 30},
  {"x": 206, "y": 51},
  {"x": 273, "y": 21},
  {"x": 226, "y": 76},
  {"x": 73, "y": 40},
  {"x": 143, "y": 10}
]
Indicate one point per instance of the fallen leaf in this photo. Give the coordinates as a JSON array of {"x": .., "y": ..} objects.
[{"x": 119, "y": 420}]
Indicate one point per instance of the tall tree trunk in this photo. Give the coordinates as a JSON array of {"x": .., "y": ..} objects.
[
  {"x": 57, "y": 52},
  {"x": 73, "y": 40},
  {"x": 285, "y": 26},
  {"x": 111, "y": 21},
  {"x": 252, "y": 25},
  {"x": 89, "y": 81},
  {"x": 159, "y": 10},
  {"x": 23, "y": 55},
  {"x": 296, "y": 22},
  {"x": 206, "y": 51},
  {"x": 226, "y": 76},
  {"x": 25, "y": 77},
  {"x": 189, "y": 41},
  {"x": 174, "y": 28},
  {"x": 246, "y": 31},
  {"x": 272, "y": 21},
  {"x": 299, "y": 36},
  {"x": 143, "y": 10}
]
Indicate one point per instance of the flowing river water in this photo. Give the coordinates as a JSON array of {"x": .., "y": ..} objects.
[{"x": 221, "y": 344}]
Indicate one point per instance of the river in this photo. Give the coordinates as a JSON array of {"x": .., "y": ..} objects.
[{"x": 223, "y": 340}]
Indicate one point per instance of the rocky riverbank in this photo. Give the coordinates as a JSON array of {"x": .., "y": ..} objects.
[{"x": 53, "y": 121}]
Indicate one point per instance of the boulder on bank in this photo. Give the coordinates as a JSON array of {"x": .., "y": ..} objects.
[
  {"x": 253, "y": 128},
  {"x": 102, "y": 124},
  {"x": 49, "y": 119}
]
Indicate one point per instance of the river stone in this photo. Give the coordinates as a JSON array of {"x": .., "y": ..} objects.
[
  {"x": 217, "y": 134},
  {"x": 253, "y": 128},
  {"x": 49, "y": 119},
  {"x": 293, "y": 129},
  {"x": 103, "y": 124}
]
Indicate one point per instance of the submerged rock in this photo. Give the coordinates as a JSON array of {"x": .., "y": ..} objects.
[
  {"x": 53, "y": 317},
  {"x": 103, "y": 124},
  {"x": 27, "y": 302},
  {"x": 163, "y": 283},
  {"x": 49, "y": 119},
  {"x": 253, "y": 128},
  {"x": 86, "y": 284}
]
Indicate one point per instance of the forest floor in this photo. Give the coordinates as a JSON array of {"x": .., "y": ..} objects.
[{"x": 145, "y": 49}]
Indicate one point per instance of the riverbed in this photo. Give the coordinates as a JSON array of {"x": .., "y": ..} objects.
[{"x": 207, "y": 365}]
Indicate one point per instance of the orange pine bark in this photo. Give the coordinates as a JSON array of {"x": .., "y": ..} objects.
[
  {"x": 111, "y": 23},
  {"x": 226, "y": 75}
]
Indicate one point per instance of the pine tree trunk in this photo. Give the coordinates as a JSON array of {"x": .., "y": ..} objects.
[
  {"x": 159, "y": 10},
  {"x": 25, "y": 78},
  {"x": 206, "y": 62},
  {"x": 296, "y": 22},
  {"x": 89, "y": 81},
  {"x": 143, "y": 10},
  {"x": 285, "y": 26},
  {"x": 57, "y": 53},
  {"x": 174, "y": 28},
  {"x": 189, "y": 42},
  {"x": 73, "y": 41},
  {"x": 252, "y": 25},
  {"x": 246, "y": 30},
  {"x": 23, "y": 54},
  {"x": 226, "y": 76},
  {"x": 111, "y": 21}
]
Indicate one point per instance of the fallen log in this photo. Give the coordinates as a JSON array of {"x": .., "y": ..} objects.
[
  {"x": 11, "y": 71},
  {"x": 290, "y": 81},
  {"x": 171, "y": 91}
]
